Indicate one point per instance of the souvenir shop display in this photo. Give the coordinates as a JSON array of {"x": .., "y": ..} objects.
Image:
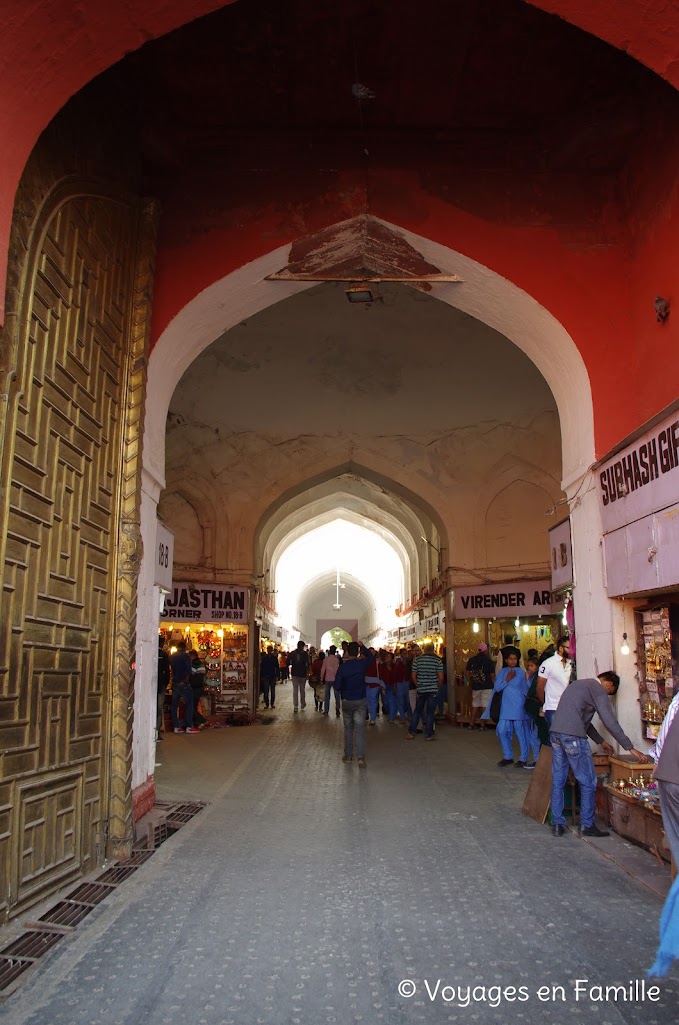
[
  {"x": 224, "y": 650},
  {"x": 657, "y": 686}
]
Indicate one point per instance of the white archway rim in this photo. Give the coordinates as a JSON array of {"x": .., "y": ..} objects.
[{"x": 482, "y": 294}]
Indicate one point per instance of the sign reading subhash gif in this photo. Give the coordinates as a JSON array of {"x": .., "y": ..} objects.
[{"x": 577, "y": 991}]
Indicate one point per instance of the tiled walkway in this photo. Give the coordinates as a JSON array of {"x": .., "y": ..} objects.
[{"x": 309, "y": 890}]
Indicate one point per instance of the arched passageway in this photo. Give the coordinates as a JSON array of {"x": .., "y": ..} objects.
[
  {"x": 542, "y": 173},
  {"x": 419, "y": 441}
]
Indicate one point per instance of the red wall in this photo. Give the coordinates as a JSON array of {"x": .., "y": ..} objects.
[
  {"x": 646, "y": 29},
  {"x": 602, "y": 293},
  {"x": 599, "y": 283},
  {"x": 50, "y": 49}
]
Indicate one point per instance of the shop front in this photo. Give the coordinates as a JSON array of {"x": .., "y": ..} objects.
[
  {"x": 213, "y": 621},
  {"x": 639, "y": 497},
  {"x": 430, "y": 630},
  {"x": 491, "y": 613}
]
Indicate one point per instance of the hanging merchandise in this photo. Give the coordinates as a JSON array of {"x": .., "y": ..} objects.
[{"x": 224, "y": 650}]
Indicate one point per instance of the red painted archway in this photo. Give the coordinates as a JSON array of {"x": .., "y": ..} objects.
[{"x": 51, "y": 49}]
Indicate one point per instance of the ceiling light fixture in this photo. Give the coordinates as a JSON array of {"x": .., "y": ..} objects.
[{"x": 360, "y": 294}]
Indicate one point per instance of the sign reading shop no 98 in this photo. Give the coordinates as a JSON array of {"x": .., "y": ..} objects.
[{"x": 162, "y": 575}]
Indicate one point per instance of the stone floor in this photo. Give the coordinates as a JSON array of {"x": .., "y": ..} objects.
[{"x": 312, "y": 892}]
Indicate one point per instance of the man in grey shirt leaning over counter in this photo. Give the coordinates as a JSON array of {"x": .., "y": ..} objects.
[{"x": 571, "y": 726}]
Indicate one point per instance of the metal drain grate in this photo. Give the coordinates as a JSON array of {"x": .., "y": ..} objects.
[
  {"x": 137, "y": 858},
  {"x": 32, "y": 945},
  {"x": 157, "y": 835},
  {"x": 21, "y": 954},
  {"x": 10, "y": 969},
  {"x": 90, "y": 893},
  {"x": 183, "y": 813},
  {"x": 117, "y": 874},
  {"x": 175, "y": 819},
  {"x": 66, "y": 912},
  {"x": 190, "y": 808}
]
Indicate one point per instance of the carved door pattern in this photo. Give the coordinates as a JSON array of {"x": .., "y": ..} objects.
[{"x": 62, "y": 461}]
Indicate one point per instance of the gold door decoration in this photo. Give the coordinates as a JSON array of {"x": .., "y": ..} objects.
[{"x": 71, "y": 467}]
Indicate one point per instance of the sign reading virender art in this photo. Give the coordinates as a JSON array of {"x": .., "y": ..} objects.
[
  {"x": 502, "y": 601},
  {"x": 207, "y": 603}
]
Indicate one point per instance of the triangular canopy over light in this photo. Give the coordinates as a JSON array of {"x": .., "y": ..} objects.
[{"x": 360, "y": 250}]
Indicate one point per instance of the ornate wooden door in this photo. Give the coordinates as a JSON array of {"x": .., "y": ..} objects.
[{"x": 65, "y": 706}]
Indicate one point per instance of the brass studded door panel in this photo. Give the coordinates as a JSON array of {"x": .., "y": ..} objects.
[{"x": 61, "y": 459}]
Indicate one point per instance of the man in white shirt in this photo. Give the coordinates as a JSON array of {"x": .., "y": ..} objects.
[{"x": 554, "y": 675}]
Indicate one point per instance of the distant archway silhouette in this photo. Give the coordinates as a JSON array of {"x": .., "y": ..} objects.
[{"x": 335, "y": 635}]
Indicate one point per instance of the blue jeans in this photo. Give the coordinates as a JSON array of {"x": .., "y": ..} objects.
[
  {"x": 573, "y": 752},
  {"x": 328, "y": 687},
  {"x": 353, "y": 713},
  {"x": 389, "y": 700},
  {"x": 184, "y": 691},
  {"x": 425, "y": 706},
  {"x": 372, "y": 697},
  {"x": 533, "y": 739},
  {"x": 403, "y": 700},
  {"x": 549, "y": 716},
  {"x": 441, "y": 698}
]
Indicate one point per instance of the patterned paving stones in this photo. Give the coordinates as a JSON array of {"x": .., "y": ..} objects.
[{"x": 307, "y": 892}]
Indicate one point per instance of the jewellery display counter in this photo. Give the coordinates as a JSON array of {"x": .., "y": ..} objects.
[{"x": 634, "y": 812}]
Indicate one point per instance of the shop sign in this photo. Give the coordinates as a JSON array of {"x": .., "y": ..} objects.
[
  {"x": 407, "y": 633},
  {"x": 164, "y": 554},
  {"x": 207, "y": 603},
  {"x": 494, "y": 601},
  {"x": 434, "y": 624},
  {"x": 270, "y": 630},
  {"x": 641, "y": 479},
  {"x": 561, "y": 555}
]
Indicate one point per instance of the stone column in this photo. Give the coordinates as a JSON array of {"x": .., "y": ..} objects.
[{"x": 592, "y": 606}]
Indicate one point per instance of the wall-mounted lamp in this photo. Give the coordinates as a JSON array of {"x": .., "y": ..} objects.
[
  {"x": 624, "y": 647},
  {"x": 526, "y": 628},
  {"x": 431, "y": 545},
  {"x": 662, "y": 308},
  {"x": 475, "y": 626},
  {"x": 517, "y": 622}
]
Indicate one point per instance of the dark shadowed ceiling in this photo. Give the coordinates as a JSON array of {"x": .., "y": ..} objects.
[{"x": 496, "y": 79}]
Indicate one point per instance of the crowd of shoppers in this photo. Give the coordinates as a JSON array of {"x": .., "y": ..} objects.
[{"x": 406, "y": 685}]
